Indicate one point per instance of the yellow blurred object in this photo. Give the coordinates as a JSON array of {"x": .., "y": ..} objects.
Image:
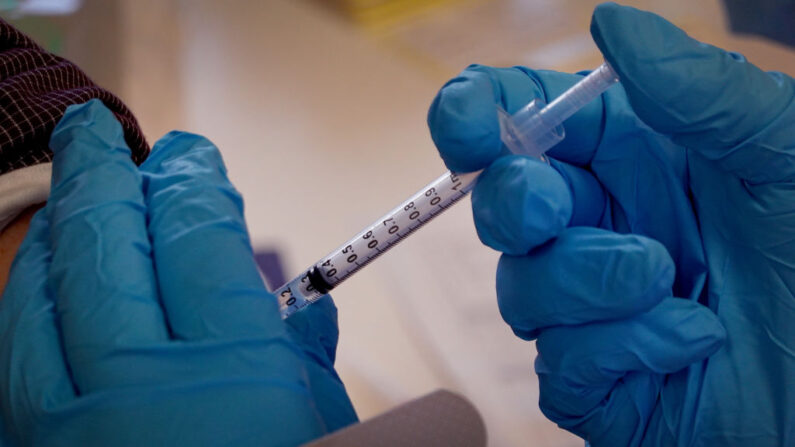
[
  {"x": 379, "y": 14},
  {"x": 549, "y": 34}
]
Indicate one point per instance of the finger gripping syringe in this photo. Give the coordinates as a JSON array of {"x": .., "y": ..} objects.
[{"x": 530, "y": 131}]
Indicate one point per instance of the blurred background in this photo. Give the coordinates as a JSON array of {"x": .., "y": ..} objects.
[{"x": 319, "y": 109}]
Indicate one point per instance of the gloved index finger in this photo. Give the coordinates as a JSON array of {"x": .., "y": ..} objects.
[
  {"x": 463, "y": 116},
  {"x": 708, "y": 99},
  {"x": 209, "y": 282},
  {"x": 102, "y": 273}
]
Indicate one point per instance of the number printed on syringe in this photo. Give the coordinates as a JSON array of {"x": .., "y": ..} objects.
[{"x": 395, "y": 226}]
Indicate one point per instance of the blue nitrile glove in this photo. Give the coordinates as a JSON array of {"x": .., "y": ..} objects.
[
  {"x": 654, "y": 261},
  {"x": 135, "y": 316}
]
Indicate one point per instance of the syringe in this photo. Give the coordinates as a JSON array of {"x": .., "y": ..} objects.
[{"x": 530, "y": 131}]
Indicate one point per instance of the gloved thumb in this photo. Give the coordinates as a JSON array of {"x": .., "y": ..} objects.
[{"x": 707, "y": 99}]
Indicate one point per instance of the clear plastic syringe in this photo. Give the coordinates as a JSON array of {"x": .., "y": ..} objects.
[{"x": 530, "y": 131}]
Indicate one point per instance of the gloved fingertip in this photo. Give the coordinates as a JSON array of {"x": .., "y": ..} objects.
[
  {"x": 186, "y": 175},
  {"x": 644, "y": 269},
  {"x": 584, "y": 275},
  {"x": 524, "y": 334},
  {"x": 588, "y": 195},
  {"x": 700, "y": 330},
  {"x": 645, "y": 59},
  {"x": 89, "y": 141},
  {"x": 463, "y": 122},
  {"x": 673, "y": 335},
  {"x": 519, "y": 203},
  {"x": 88, "y": 120},
  {"x": 176, "y": 144},
  {"x": 678, "y": 86},
  {"x": 610, "y": 25}
]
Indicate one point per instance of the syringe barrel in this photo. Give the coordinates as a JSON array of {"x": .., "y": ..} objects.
[
  {"x": 375, "y": 240},
  {"x": 532, "y": 130},
  {"x": 575, "y": 98}
]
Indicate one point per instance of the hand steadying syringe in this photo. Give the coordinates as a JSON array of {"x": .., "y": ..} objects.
[{"x": 531, "y": 131}]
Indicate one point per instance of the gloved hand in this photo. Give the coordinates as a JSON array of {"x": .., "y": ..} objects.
[
  {"x": 654, "y": 261},
  {"x": 134, "y": 313}
]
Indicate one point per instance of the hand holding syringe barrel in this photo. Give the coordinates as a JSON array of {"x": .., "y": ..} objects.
[{"x": 530, "y": 131}]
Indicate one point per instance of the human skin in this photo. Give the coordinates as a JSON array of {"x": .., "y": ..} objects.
[{"x": 10, "y": 238}]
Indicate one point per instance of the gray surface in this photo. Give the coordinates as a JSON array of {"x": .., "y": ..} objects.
[{"x": 439, "y": 418}]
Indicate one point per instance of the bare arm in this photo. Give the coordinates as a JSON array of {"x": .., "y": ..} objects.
[{"x": 10, "y": 238}]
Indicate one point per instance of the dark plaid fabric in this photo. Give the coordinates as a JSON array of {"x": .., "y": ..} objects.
[{"x": 35, "y": 89}]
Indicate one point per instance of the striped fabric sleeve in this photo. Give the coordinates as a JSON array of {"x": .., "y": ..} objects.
[{"x": 35, "y": 89}]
